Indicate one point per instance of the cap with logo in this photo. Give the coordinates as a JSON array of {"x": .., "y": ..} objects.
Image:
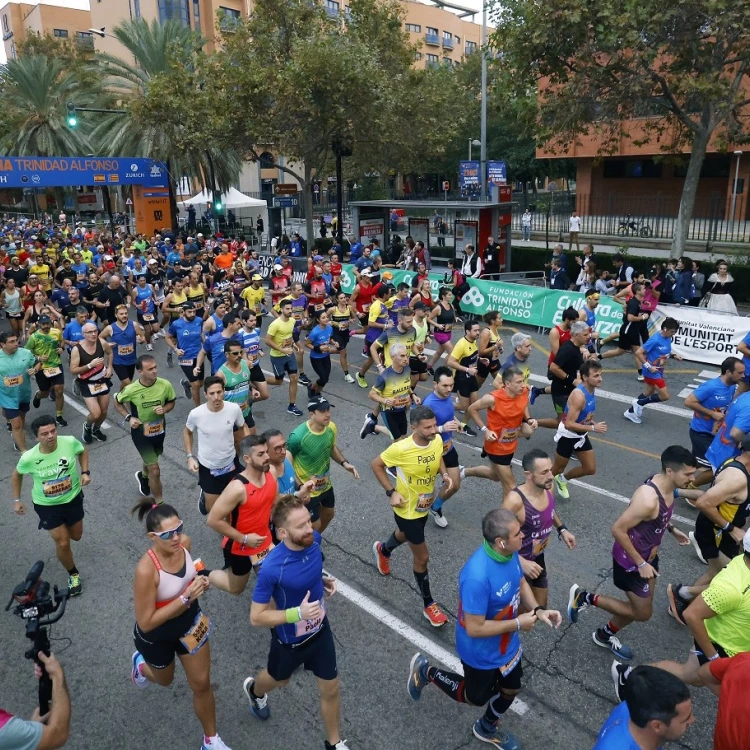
[{"x": 319, "y": 404}]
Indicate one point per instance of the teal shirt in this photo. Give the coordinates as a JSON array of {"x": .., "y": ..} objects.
[{"x": 15, "y": 383}]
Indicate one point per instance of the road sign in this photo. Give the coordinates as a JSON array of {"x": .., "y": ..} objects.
[
  {"x": 446, "y": 185},
  {"x": 316, "y": 188},
  {"x": 286, "y": 188},
  {"x": 286, "y": 201},
  {"x": 128, "y": 202}
]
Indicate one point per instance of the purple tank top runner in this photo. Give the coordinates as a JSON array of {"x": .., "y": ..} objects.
[
  {"x": 537, "y": 527},
  {"x": 647, "y": 535}
]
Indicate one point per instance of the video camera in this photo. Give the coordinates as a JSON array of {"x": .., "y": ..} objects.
[{"x": 40, "y": 610}]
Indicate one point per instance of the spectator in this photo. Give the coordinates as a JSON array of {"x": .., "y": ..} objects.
[
  {"x": 526, "y": 225},
  {"x": 323, "y": 228},
  {"x": 575, "y": 229},
  {"x": 471, "y": 266},
  {"x": 719, "y": 294},
  {"x": 191, "y": 217},
  {"x": 623, "y": 272},
  {"x": 604, "y": 285},
  {"x": 558, "y": 278},
  {"x": 491, "y": 257},
  {"x": 699, "y": 280},
  {"x": 422, "y": 256},
  {"x": 683, "y": 288},
  {"x": 557, "y": 254},
  {"x": 355, "y": 249},
  {"x": 259, "y": 225},
  {"x": 394, "y": 220},
  {"x": 670, "y": 279},
  {"x": 436, "y": 221},
  {"x": 442, "y": 231},
  {"x": 586, "y": 277}
]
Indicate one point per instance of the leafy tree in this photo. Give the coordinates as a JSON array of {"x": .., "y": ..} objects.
[{"x": 681, "y": 66}]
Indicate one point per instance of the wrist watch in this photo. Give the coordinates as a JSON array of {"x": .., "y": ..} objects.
[
  {"x": 87, "y": 473},
  {"x": 389, "y": 492}
]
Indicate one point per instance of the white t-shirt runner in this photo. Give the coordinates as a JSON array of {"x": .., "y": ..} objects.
[{"x": 215, "y": 431}]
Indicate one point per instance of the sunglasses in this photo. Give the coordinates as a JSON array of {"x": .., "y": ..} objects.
[{"x": 167, "y": 535}]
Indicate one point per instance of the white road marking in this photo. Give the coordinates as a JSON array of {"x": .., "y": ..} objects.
[
  {"x": 82, "y": 409},
  {"x": 406, "y": 631},
  {"x": 707, "y": 374}
]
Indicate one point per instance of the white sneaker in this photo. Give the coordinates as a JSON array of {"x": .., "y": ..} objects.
[
  {"x": 341, "y": 745},
  {"x": 696, "y": 547},
  {"x": 149, "y": 348},
  {"x": 349, "y": 379},
  {"x": 215, "y": 743},
  {"x": 632, "y": 416},
  {"x": 462, "y": 473},
  {"x": 439, "y": 519},
  {"x": 637, "y": 408}
]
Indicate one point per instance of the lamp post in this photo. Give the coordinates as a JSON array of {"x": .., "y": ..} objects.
[
  {"x": 473, "y": 142},
  {"x": 483, "y": 134},
  {"x": 738, "y": 154}
]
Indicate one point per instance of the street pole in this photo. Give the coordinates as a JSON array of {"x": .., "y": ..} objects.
[
  {"x": 738, "y": 154},
  {"x": 339, "y": 198},
  {"x": 483, "y": 134}
]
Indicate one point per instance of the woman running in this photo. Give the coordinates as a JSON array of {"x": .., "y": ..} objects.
[
  {"x": 168, "y": 618},
  {"x": 490, "y": 347},
  {"x": 442, "y": 317},
  {"x": 10, "y": 301},
  {"x": 39, "y": 307},
  {"x": 320, "y": 342},
  {"x": 423, "y": 294},
  {"x": 343, "y": 321}
]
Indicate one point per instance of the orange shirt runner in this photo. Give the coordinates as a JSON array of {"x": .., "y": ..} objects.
[{"x": 505, "y": 419}]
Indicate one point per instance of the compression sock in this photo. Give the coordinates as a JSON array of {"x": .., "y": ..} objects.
[
  {"x": 73, "y": 571},
  {"x": 497, "y": 706},
  {"x": 652, "y": 399},
  {"x": 590, "y": 598},
  {"x": 423, "y": 584},
  {"x": 610, "y": 629},
  {"x": 390, "y": 544},
  {"x": 451, "y": 683}
]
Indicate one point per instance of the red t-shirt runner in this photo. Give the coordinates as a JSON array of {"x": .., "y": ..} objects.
[{"x": 732, "y": 728}]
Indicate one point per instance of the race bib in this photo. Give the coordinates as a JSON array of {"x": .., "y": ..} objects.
[
  {"x": 366, "y": 308},
  {"x": 12, "y": 381},
  {"x": 198, "y": 633},
  {"x": 322, "y": 481},
  {"x": 511, "y": 665},
  {"x": 508, "y": 436},
  {"x": 424, "y": 502},
  {"x": 343, "y": 326},
  {"x": 95, "y": 388},
  {"x": 309, "y": 627},
  {"x": 50, "y": 372},
  {"x": 57, "y": 487},
  {"x": 287, "y": 343},
  {"x": 252, "y": 359},
  {"x": 147, "y": 317},
  {"x": 319, "y": 307},
  {"x": 124, "y": 349},
  {"x": 402, "y": 401},
  {"x": 221, "y": 472},
  {"x": 256, "y": 560},
  {"x": 186, "y": 362},
  {"x": 447, "y": 446},
  {"x": 539, "y": 545},
  {"x": 258, "y": 308},
  {"x": 152, "y": 429}
]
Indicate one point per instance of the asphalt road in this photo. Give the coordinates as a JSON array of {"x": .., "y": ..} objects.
[{"x": 377, "y": 622}]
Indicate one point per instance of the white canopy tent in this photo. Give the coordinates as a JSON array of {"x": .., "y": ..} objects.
[{"x": 231, "y": 199}]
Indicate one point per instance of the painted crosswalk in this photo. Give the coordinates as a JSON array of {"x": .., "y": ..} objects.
[{"x": 699, "y": 379}]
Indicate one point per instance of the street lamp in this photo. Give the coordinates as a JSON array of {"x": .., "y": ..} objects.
[
  {"x": 483, "y": 134},
  {"x": 474, "y": 142},
  {"x": 101, "y": 32},
  {"x": 738, "y": 154}
]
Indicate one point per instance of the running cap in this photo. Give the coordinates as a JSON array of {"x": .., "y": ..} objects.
[
  {"x": 153, "y": 261},
  {"x": 278, "y": 267},
  {"x": 746, "y": 541},
  {"x": 256, "y": 277},
  {"x": 188, "y": 306},
  {"x": 367, "y": 272},
  {"x": 317, "y": 258},
  {"x": 44, "y": 319},
  {"x": 319, "y": 404}
]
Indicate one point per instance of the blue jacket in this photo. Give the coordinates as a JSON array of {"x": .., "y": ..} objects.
[{"x": 683, "y": 289}]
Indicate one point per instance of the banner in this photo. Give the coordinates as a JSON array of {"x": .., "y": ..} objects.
[
  {"x": 419, "y": 230},
  {"x": 703, "y": 336},
  {"x": 465, "y": 234},
  {"x": 468, "y": 174},
  {"x": 372, "y": 229},
  {"x": 496, "y": 173}
]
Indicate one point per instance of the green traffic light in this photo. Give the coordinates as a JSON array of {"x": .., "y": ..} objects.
[
  {"x": 72, "y": 121},
  {"x": 218, "y": 206}
]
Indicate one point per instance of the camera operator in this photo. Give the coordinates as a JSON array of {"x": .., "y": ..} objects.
[{"x": 40, "y": 732}]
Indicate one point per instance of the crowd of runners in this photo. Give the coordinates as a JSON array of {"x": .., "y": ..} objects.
[{"x": 93, "y": 310}]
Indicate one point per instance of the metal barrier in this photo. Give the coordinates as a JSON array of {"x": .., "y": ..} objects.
[{"x": 519, "y": 277}]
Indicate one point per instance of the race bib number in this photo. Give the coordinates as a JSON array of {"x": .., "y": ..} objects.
[
  {"x": 287, "y": 343},
  {"x": 508, "y": 435},
  {"x": 198, "y": 633},
  {"x": 511, "y": 665},
  {"x": 95, "y": 388},
  {"x": 717, "y": 424},
  {"x": 258, "y": 308},
  {"x": 366, "y": 308},
  {"x": 12, "y": 381},
  {"x": 256, "y": 560},
  {"x": 402, "y": 401},
  {"x": 343, "y": 326},
  {"x": 57, "y": 487},
  {"x": 252, "y": 359},
  {"x": 309, "y": 627},
  {"x": 222, "y": 471},
  {"x": 424, "y": 502},
  {"x": 123, "y": 349},
  {"x": 320, "y": 307},
  {"x": 447, "y": 446},
  {"x": 187, "y": 362},
  {"x": 322, "y": 482},
  {"x": 152, "y": 429},
  {"x": 539, "y": 545},
  {"x": 147, "y": 317},
  {"x": 50, "y": 372}
]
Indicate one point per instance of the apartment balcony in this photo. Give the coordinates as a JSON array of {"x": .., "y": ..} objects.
[
  {"x": 470, "y": 49},
  {"x": 432, "y": 39},
  {"x": 332, "y": 12},
  {"x": 432, "y": 64},
  {"x": 447, "y": 43}
]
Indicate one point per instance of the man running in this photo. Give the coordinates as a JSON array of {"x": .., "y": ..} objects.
[
  {"x": 220, "y": 426},
  {"x": 292, "y": 575},
  {"x": 578, "y": 420},
  {"x": 122, "y": 336},
  {"x": 638, "y": 534},
  {"x": 652, "y": 357},
  {"x": 235, "y": 373},
  {"x": 312, "y": 445},
  {"x": 491, "y": 590},
  {"x": 507, "y": 419},
  {"x": 417, "y": 460},
  {"x": 250, "y": 334},
  {"x": 46, "y": 344},
  {"x": 463, "y": 360},
  {"x": 631, "y": 330},
  {"x": 242, "y": 513},
  {"x": 519, "y": 357},
  {"x": 185, "y": 338},
  {"x": 588, "y": 315},
  {"x": 558, "y": 335},
  {"x": 727, "y": 441},
  {"x": 214, "y": 344},
  {"x": 143, "y": 299},
  {"x": 149, "y": 398},
  {"x": 279, "y": 339},
  {"x": 56, "y": 493},
  {"x": 533, "y": 504},
  {"x": 378, "y": 321}
]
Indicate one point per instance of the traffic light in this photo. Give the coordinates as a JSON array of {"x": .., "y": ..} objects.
[
  {"x": 217, "y": 201},
  {"x": 72, "y": 118}
]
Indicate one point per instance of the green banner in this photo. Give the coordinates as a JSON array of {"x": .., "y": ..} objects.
[{"x": 517, "y": 303}]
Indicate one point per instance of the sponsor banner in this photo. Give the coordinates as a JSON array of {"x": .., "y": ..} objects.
[
  {"x": 468, "y": 174},
  {"x": 299, "y": 267},
  {"x": 703, "y": 336},
  {"x": 496, "y": 173},
  {"x": 372, "y": 229}
]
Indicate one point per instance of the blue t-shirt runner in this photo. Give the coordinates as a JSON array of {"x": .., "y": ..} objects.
[
  {"x": 188, "y": 336},
  {"x": 615, "y": 732},
  {"x": 724, "y": 445}
]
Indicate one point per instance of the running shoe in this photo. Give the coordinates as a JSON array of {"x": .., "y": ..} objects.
[
  {"x": 438, "y": 517},
  {"x": 9, "y": 427},
  {"x": 37, "y": 400},
  {"x": 497, "y": 737},
  {"x": 382, "y": 563},
  {"x": 292, "y": 409},
  {"x": 86, "y": 436},
  {"x": 461, "y": 472},
  {"x": 202, "y": 504},
  {"x": 361, "y": 382},
  {"x": 138, "y": 679},
  {"x": 469, "y": 431},
  {"x": 640, "y": 376},
  {"x": 61, "y": 420},
  {"x": 431, "y": 371},
  {"x": 637, "y": 408},
  {"x": 631, "y": 415},
  {"x": 149, "y": 347},
  {"x": 418, "y": 680},
  {"x": 368, "y": 427},
  {"x": 143, "y": 486},
  {"x": 435, "y": 615},
  {"x": 576, "y": 602},
  {"x": 214, "y": 743},
  {"x": 258, "y": 706},
  {"x": 620, "y": 673},
  {"x": 304, "y": 379},
  {"x": 533, "y": 394},
  {"x": 349, "y": 379},
  {"x": 74, "y": 584},
  {"x": 185, "y": 383},
  {"x": 99, "y": 435},
  {"x": 677, "y": 604},
  {"x": 562, "y": 486},
  {"x": 341, "y": 745},
  {"x": 613, "y": 643},
  {"x": 15, "y": 447},
  {"x": 170, "y": 360},
  {"x": 697, "y": 547}
]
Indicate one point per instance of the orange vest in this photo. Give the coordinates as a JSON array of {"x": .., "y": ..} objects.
[{"x": 505, "y": 419}]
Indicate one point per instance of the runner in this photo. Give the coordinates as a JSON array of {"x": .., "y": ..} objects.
[
  {"x": 124, "y": 335},
  {"x": 168, "y": 618},
  {"x": 418, "y": 359},
  {"x": 299, "y": 304},
  {"x": 172, "y": 307},
  {"x": 250, "y": 334},
  {"x": 490, "y": 347},
  {"x": 558, "y": 335},
  {"x": 362, "y": 296},
  {"x": 709, "y": 403},
  {"x": 343, "y": 318},
  {"x": 242, "y": 513},
  {"x": 91, "y": 363},
  {"x": 46, "y": 344},
  {"x": 144, "y": 404},
  {"x": 278, "y": 284},
  {"x": 143, "y": 298},
  {"x": 56, "y": 493},
  {"x": 441, "y": 403},
  {"x": 10, "y": 301},
  {"x": 320, "y": 342},
  {"x": 533, "y": 504},
  {"x": 442, "y": 318},
  {"x": 507, "y": 420},
  {"x": 417, "y": 460},
  {"x": 195, "y": 292},
  {"x": 214, "y": 323},
  {"x": 653, "y": 356},
  {"x": 214, "y": 345},
  {"x": 292, "y": 575},
  {"x": 377, "y": 322},
  {"x": 220, "y": 426},
  {"x": 463, "y": 361},
  {"x": 185, "y": 338},
  {"x": 283, "y": 469},
  {"x": 572, "y": 433},
  {"x": 254, "y": 296},
  {"x": 399, "y": 301},
  {"x": 312, "y": 445},
  {"x": 238, "y": 389},
  {"x": 491, "y": 589},
  {"x": 279, "y": 338},
  {"x": 633, "y": 319},
  {"x": 519, "y": 357},
  {"x": 638, "y": 534}
]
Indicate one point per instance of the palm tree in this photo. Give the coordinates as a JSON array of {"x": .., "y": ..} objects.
[{"x": 154, "y": 127}]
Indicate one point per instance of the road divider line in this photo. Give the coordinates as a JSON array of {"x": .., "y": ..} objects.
[{"x": 406, "y": 631}]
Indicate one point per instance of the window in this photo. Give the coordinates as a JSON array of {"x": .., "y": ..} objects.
[
  {"x": 417, "y": 55},
  {"x": 432, "y": 58},
  {"x": 5, "y": 22},
  {"x": 230, "y": 18},
  {"x": 332, "y": 7},
  {"x": 176, "y": 10},
  {"x": 447, "y": 35},
  {"x": 430, "y": 30},
  {"x": 197, "y": 15},
  {"x": 447, "y": 61},
  {"x": 718, "y": 166},
  {"x": 61, "y": 33},
  {"x": 458, "y": 39},
  {"x": 470, "y": 45},
  {"x": 415, "y": 28},
  {"x": 616, "y": 168}
]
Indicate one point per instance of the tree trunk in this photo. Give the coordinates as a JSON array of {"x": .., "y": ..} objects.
[
  {"x": 307, "y": 198},
  {"x": 689, "y": 191}
]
